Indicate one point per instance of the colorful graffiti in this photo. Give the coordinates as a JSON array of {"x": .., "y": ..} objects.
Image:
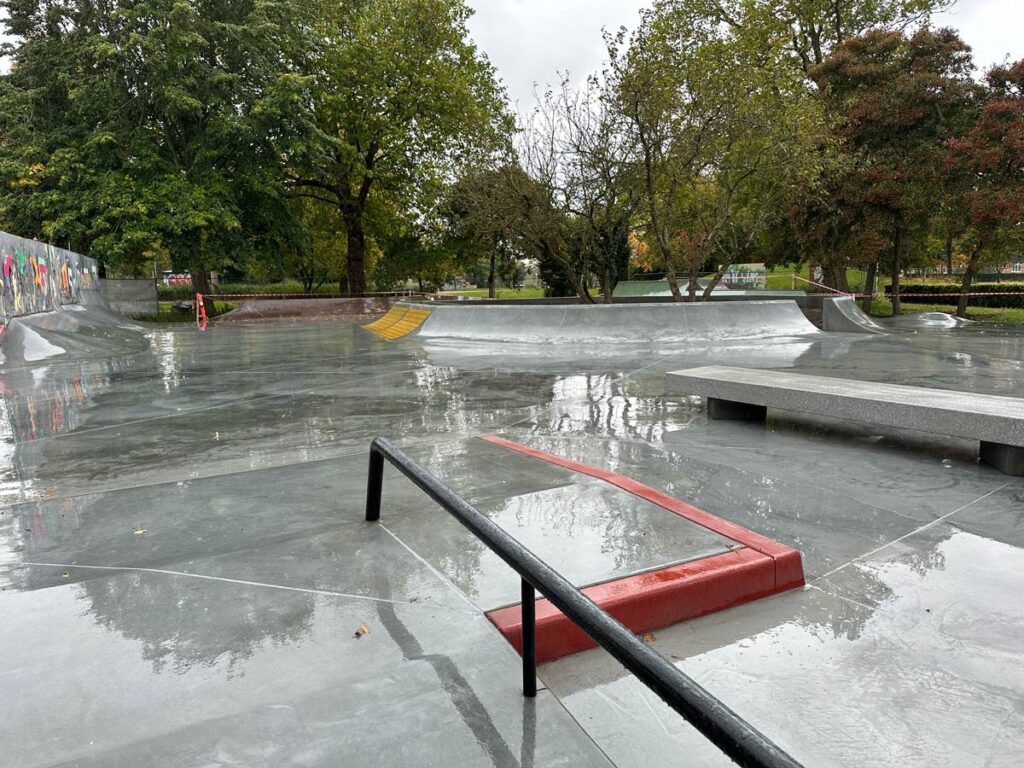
[{"x": 37, "y": 277}]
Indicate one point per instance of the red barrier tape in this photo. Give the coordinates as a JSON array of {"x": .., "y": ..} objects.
[
  {"x": 956, "y": 295},
  {"x": 928, "y": 295}
]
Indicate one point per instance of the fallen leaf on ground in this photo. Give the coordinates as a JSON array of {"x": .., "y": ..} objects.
[
  {"x": 65, "y": 574},
  {"x": 363, "y": 629},
  {"x": 140, "y": 531},
  {"x": 648, "y": 637}
]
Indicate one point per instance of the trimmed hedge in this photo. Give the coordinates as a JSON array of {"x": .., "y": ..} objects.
[{"x": 1016, "y": 300}]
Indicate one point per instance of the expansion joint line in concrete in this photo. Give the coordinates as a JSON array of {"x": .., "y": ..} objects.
[
  {"x": 241, "y": 582},
  {"x": 915, "y": 532},
  {"x": 645, "y": 601}
]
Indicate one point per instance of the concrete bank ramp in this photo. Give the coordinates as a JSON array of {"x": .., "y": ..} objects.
[
  {"x": 71, "y": 333},
  {"x": 611, "y": 323},
  {"x": 304, "y": 310},
  {"x": 842, "y": 315}
]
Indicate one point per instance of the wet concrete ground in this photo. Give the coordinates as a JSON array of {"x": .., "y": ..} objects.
[{"x": 184, "y": 564}]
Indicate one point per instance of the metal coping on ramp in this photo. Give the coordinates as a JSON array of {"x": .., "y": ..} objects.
[
  {"x": 398, "y": 322},
  {"x": 655, "y": 599}
]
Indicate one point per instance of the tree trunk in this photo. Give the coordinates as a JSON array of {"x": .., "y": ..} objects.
[
  {"x": 835, "y": 278},
  {"x": 691, "y": 286},
  {"x": 714, "y": 281},
  {"x": 583, "y": 291},
  {"x": 673, "y": 284},
  {"x": 355, "y": 263},
  {"x": 949, "y": 254},
  {"x": 492, "y": 293},
  {"x": 201, "y": 284},
  {"x": 896, "y": 248},
  {"x": 608, "y": 285},
  {"x": 869, "y": 286},
  {"x": 969, "y": 274}
]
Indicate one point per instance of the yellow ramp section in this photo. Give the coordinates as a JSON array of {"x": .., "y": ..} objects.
[{"x": 398, "y": 322}]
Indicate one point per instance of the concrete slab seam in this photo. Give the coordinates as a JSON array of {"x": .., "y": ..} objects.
[
  {"x": 898, "y": 539},
  {"x": 444, "y": 579},
  {"x": 225, "y": 580}
]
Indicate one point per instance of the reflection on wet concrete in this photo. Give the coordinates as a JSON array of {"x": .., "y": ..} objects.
[
  {"x": 241, "y": 455},
  {"x": 911, "y": 656},
  {"x": 455, "y": 686},
  {"x": 186, "y": 637}
]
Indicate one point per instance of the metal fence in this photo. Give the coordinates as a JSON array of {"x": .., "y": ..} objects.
[{"x": 134, "y": 298}]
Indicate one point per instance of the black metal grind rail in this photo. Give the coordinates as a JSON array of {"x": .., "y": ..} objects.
[{"x": 728, "y": 731}]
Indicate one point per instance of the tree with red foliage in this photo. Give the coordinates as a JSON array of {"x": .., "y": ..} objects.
[
  {"x": 895, "y": 101},
  {"x": 988, "y": 163}
]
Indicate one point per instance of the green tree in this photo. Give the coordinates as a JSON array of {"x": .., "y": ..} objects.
[
  {"x": 814, "y": 28},
  {"x": 577, "y": 145},
  {"x": 723, "y": 127},
  {"x": 149, "y": 123},
  {"x": 400, "y": 99},
  {"x": 478, "y": 223}
]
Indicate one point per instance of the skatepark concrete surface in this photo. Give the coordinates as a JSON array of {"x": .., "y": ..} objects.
[{"x": 186, "y": 578}]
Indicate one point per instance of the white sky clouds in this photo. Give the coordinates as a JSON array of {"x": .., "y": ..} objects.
[{"x": 532, "y": 40}]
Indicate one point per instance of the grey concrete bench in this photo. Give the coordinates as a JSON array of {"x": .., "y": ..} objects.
[{"x": 746, "y": 394}]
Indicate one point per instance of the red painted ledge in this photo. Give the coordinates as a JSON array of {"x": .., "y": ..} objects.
[
  {"x": 656, "y": 599},
  {"x": 789, "y": 569}
]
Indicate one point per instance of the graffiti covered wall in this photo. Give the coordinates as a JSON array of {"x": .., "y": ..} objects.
[{"x": 37, "y": 277}]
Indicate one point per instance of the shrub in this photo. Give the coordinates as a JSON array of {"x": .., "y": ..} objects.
[{"x": 928, "y": 291}]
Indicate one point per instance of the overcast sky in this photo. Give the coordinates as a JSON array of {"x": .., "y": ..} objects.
[{"x": 529, "y": 41}]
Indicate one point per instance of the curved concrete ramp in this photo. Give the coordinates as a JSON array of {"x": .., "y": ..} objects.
[
  {"x": 70, "y": 333},
  {"x": 842, "y": 315},
  {"x": 613, "y": 323},
  {"x": 303, "y": 310}
]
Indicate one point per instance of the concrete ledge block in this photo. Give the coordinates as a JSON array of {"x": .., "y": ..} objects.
[
  {"x": 1006, "y": 458},
  {"x": 730, "y": 410}
]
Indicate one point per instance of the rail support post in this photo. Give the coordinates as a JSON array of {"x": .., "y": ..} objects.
[
  {"x": 374, "y": 485},
  {"x": 529, "y": 623}
]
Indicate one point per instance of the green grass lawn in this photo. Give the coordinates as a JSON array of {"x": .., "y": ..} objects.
[
  {"x": 166, "y": 315},
  {"x": 1015, "y": 316},
  {"x": 503, "y": 293},
  {"x": 781, "y": 279}
]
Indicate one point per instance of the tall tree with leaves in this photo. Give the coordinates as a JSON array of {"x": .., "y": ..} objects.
[
  {"x": 988, "y": 169},
  {"x": 576, "y": 145},
  {"x": 150, "y": 122},
  {"x": 400, "y": 99},
  {"x": 722, "y": 128},
  {"x": 896, "y": 101}
]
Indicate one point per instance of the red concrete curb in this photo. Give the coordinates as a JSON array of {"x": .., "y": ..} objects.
[
  {"x": 789, "y": 570},
  {"x": 649, "y": 600},
  {"x": 661, "y": 598}
]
